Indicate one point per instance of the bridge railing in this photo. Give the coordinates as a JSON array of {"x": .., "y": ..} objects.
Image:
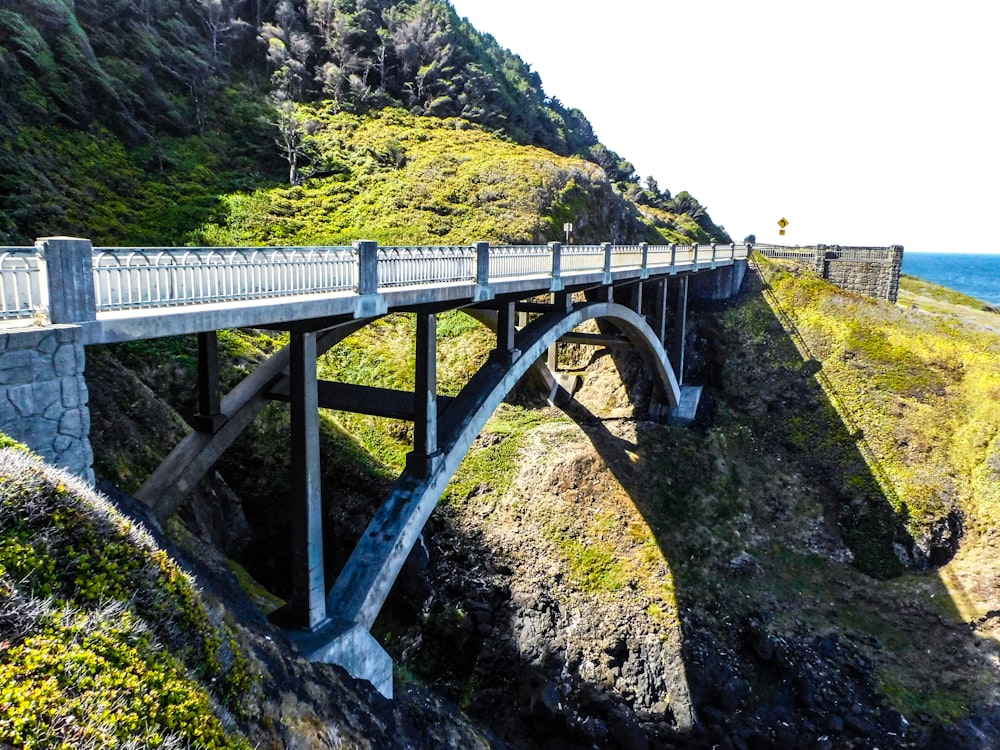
[
  {"x": 581, "y": 258},
  {"x": 519, "y": 261},
  {"x": 126, "y": 278},
  {"x": 20, "y": 284},
  {"x": 832, "y": 252},
  {"x": 73, "y": 281},
  {"x": 408, "y": 266}
]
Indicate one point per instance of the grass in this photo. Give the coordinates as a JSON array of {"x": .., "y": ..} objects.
[
  {"x": 923, "y": 389},
  {"x": 104, "y": 641},
  {"x": 397, "y": 178}
]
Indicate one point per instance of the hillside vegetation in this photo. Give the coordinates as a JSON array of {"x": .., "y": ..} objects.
[
  {"x": 402, "y": 179},
  {"x": 921, "y": 383},
  {"x": 104, "y": 640},
  {"x": 151, "y": 122}
]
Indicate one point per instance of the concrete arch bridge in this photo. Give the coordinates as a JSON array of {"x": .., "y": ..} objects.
[{"x": 534, "y": 298}]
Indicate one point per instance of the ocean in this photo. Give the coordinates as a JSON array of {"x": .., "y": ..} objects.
[{"x": 975, "y": 275}]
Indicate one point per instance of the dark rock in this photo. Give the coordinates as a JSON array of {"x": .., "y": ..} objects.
[
  {"x": 627, "y": 733},
  {"x": 785, "y": 737},
  {"x": 860, "y": 725}
]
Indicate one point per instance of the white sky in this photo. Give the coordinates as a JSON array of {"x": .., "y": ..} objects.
[{"x": 863, "y": 122}]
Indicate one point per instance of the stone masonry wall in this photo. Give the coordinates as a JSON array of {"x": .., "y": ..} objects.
[
  {"x": 871, "y": 279},
  {"x": 871, "y": 271},
  {"x": 43, "y": 395}
]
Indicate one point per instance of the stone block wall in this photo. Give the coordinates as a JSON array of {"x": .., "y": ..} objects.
[
  {"x": 44, "y": 397},
  {"x": 878, "y": 280},
  {"x": 871, "y": 271}
]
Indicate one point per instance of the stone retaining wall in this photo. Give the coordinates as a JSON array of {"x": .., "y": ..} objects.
[
  {"x": 43, "y": 395},
  {"x": 871, "y": 271}
]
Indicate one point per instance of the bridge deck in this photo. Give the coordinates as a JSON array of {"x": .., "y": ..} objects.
[{"x": 127, "y": 294}]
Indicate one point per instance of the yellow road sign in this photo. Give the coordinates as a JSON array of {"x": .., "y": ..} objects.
[{"x": 782, "y": 222}]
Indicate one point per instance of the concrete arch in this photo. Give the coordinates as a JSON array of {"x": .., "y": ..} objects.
[{"x": 364, "y": 584}]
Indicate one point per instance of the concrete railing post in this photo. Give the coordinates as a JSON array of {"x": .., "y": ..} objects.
[
  {"x": 367, "y": 266},
  {"x": 713, "y": 254},
  {"x": 482, "y": 271},
  {"x": 644, "y": 248},
  {"x": 482, "y": 263},
  {"x": 673, "y": 254},
  {"x": 607, "y": 261},
  {"x": 370, "y": 304},
  {"x": 556, "y": 249},
  {"x": 67, "y": 264}
]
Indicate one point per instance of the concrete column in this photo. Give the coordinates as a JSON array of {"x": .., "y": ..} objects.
[
  {"x": 637, "y": 298},
  {"x": 425, "y": 418},
  {"x": 209, "y": 417},
  {"x": 677, "y": 360},
  {"x": 660, "y": 308},
  {"x": 505, "y": 327},
  {"x": 68, "y": 265},
  {"x": 307, "y": 606}
]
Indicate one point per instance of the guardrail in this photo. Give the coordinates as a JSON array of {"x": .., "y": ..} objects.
[
  {"x": 133, "y": 277},
  {"x": 82, "y": 281},
  {"x": 830, "y": 252},
  {"x": 20, "y": 284}
]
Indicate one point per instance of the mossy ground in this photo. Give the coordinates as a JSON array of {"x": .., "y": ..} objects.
[{"x": 105, "y": 640}]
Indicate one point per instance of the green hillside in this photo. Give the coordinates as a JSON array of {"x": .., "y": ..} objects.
[
  {"x": 151, "y": 123},
  {"x": 106, "y": 642}
]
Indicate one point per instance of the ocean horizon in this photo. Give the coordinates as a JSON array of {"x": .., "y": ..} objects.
[{"x": 974, "y": 274}]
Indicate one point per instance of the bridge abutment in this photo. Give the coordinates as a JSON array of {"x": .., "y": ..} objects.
[{"x": 44, "y": 397}]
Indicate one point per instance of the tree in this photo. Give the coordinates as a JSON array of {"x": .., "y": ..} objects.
[{"x": 293, "y": 138}]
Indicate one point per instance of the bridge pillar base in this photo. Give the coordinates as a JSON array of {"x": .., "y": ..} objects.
[
  {"x": 683, "y": 414},
  {"x": 350, "y": 646}
]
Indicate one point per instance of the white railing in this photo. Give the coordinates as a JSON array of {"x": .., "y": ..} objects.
[
  {"x": 779, "y": 251},
  {"x": 581, "y": 258},
  {"x": 520, "y": 261},
  {"x": 164, "y": 277},
  {"x": 626, "y": 256},
  {"x": 20, "y": 288},
  {"x": 152, "y": 278},
  {"x": 408, "y": 266}
]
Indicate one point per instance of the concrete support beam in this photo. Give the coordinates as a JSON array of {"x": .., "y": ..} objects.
[
  {"x": 660, "y": 311},
  {"x": 209, "y": 417},
  {"x": 307, "y": 606},
  {"x": 680, "y": 322},
  {"x": 506, "y": 333},
  {"x": 425, "y": 418},
  {"x": 361, "y": 399}
]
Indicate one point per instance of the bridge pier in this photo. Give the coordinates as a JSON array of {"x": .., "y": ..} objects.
[
  {"x": 680, "y": 326},
  {"x": 425, "y": 418},
  {"x": 306, "y": 608},
  {"x": 209, "y": 417}
]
